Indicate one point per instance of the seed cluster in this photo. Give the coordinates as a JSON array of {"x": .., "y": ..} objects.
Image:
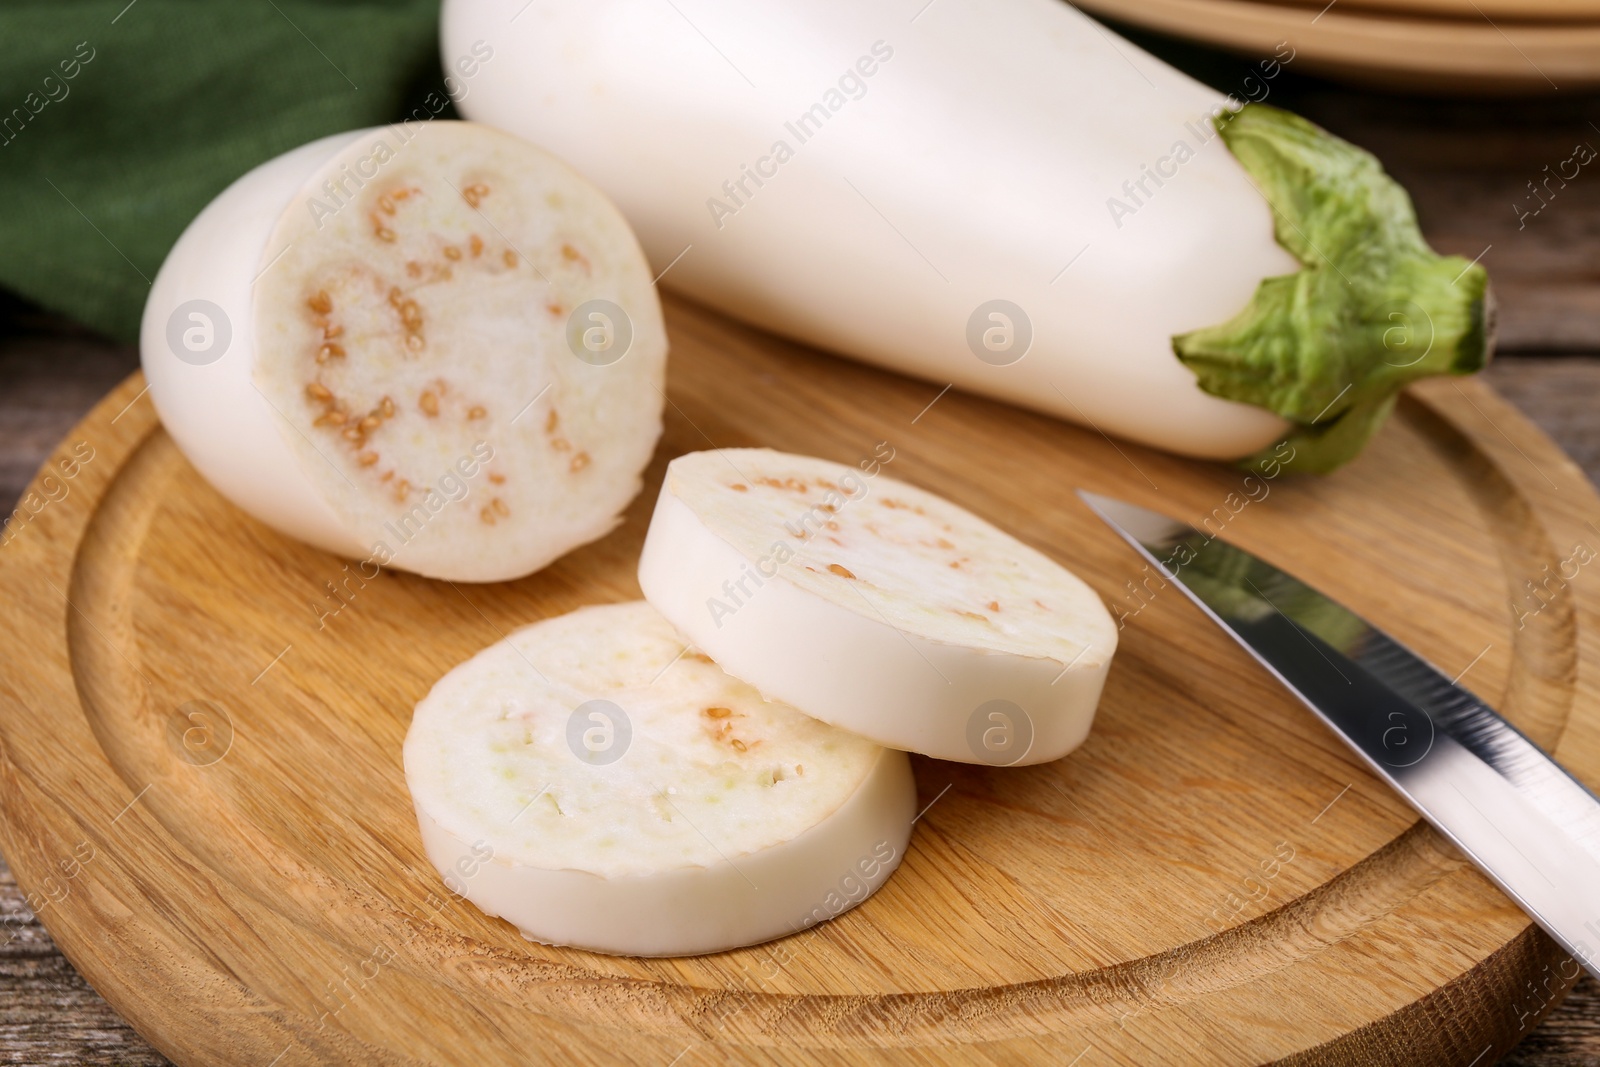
[
  {"x": 357, "y": 430},
  {"x": 552, "y": 426},
  {"x": 719, "y": 727},
  {"x": 321, "y": 306},
  {"x": 493, "y": 512},
  {"x": 410, "y": 318},
  {"x": 387, "y": 207}
]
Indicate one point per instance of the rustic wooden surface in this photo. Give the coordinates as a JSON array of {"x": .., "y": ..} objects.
[
  {"x": 215, "y": 845},
  {"x": 1467, "y": 164}
]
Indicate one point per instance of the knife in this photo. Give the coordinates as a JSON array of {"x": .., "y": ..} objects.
[{"x": 1527, "y": 823}]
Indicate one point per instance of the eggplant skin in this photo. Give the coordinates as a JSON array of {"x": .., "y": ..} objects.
[{"x": 977, "y": 163}]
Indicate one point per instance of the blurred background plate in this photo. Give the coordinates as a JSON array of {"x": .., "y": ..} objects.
[
  {"x": 1480, "y": 54},
  {"x": 1474, "y": 10}
]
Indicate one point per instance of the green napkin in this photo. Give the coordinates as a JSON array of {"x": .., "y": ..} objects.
[{"x": 119, "y": 121}]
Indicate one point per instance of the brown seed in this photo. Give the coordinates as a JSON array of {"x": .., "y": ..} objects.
[
  {"x": 800, "y": 768},
  {"x": 569, "y": 253},
  {"x": 386, "y": 476},
  {"x": 386, "y": 205},
  {"x": 330, "y": 332},
  {"x": 318, "y": 391},
  {"x": 497, "y": 479},
  {"x": 843, "y": 572},
  {"x": 428, "y": 403},
  {"x": 401, "y": 194},
  {"x": 739, "y": 487},
  {"x": 370, "y": 423},
  {"x": 509, "y": 257},
  {"x": 994, "y": 605},
  {"x": 452, "y": 252},
  {"x": 328, "y": 351},
  {"x": 353, "y": 433},
  {"x": 386, "y": 408},
  {"x": 486, "y": 516},
  {"x": 738, "y": 745},
  {"x": 330, "y": 418},
  {"x": 476, "y": 412},
  {"x": 395, "y": 296},
  {"x": 580, "y": 461},
  {"x": 322, "y": 303},
  {"x": 556, "y": 310},
  {"x": 551, "y": 421},
  {"x": 474, "y": 194},
  {"x": 410, "y": 314},
  {"x": 383, "y": 233},
  {"x": 476, "y": 244},
  {"x": 368, "y": 458},
  {"x": 415, "y": 342},
  {"x": 499, "y": 506},
  {"x": 718, "y": 713}
]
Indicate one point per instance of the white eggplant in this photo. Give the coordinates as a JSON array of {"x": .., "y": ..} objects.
[
  {"x": 1001, "y": 195},
  {"x": 597, "y": 784},
  {"x": 877, "y": 606},
  {"x": 380, "y": 343}
]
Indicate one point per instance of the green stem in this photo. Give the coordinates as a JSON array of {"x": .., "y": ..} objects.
[{"x": 1373, "y": 309}]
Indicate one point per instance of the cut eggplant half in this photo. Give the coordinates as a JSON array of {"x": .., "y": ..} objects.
[
  {"x": 436, "y": 346},
  {"x": 599, "y": 784},
  {"x": 877, "y": 606}
]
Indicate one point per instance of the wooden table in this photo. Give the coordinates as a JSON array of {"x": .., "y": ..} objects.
[{"x": 1467, "y": 165}]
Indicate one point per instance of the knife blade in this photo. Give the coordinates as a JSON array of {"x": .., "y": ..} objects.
[{"x": 1517, "y": 814}]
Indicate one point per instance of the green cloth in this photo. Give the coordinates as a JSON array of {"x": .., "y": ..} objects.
[{"x": 167, "y": 103}]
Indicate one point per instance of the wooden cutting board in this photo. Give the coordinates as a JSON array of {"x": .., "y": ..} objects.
[{"x": 201, "y": 789}]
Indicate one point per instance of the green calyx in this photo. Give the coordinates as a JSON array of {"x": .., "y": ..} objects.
[{"x": 1374, "y": 308}]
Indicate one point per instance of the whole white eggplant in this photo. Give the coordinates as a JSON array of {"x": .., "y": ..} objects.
[{"x": 1002, "y": 195}]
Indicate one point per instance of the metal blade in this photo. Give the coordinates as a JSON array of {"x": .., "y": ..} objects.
[{"x": 1516, "y": 813}]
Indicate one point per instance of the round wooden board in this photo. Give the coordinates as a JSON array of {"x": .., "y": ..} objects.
[
  {"x": 1401, "y": 51},
  {"x": 202, "y": 791}
]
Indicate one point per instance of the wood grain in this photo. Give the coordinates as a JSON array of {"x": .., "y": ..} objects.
[{"x": 1104, "y": 901}]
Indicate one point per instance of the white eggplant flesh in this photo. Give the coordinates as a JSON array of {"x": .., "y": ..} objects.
[
  {"x": 877, "y": 606},
  {"x": 599, "y": 785},
  {"x": 869, "y": 178},
  {"x": 376, "y": 343}
]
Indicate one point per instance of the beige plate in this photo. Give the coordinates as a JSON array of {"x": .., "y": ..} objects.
[
  {"x": 201, "y": 791},
  {"x": 1451, "y": 56},
  {"x": 1472, "y": 10}
]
